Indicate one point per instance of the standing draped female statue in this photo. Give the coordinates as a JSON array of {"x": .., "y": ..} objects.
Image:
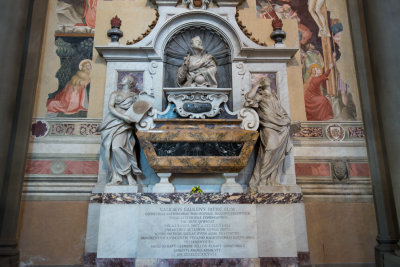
[
  {"x": 117, "y": 132},
  {"x": 274, "y": 134}
]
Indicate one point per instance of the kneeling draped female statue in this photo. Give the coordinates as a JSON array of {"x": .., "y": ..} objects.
[
  {"x": 275, "y": 126},
  {"x": 117, "y": 132}
]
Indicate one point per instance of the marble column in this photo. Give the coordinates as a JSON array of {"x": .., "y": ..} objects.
[
  {"x": 21, "y": 30},
  {"x": 376, "y": 39}
]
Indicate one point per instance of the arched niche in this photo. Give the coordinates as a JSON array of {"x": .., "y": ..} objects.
[{"x": 214, "y": 43}]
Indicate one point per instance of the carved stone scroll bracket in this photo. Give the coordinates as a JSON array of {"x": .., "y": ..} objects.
[
  {"x": 241, "y": 72},
  {"x": 189, "y": 105},
  {"x": 198, "y": 103},
  {"x": 250, "y": 119},
  {"x": 147, "y": 122},
  {"x": 153, "y": 71}
]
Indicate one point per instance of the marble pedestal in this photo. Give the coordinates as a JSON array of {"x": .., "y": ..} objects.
[
  {"x": 230, "y": 185},
  {"x": 164, "y": 186},
  {"x": 207, "y": 229}
]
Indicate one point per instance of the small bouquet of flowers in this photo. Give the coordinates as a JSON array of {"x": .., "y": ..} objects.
[{"x": 196, "y": 190}]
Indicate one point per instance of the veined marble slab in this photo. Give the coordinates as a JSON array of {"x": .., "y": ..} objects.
[
  {"x": 205, "y": 198},
  {"x": 202, "y": 231}
]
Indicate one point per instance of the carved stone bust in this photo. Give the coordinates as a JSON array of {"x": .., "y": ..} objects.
[{"x": 199, "y": 69}]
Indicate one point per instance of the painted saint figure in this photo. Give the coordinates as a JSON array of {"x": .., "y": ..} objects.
[
  {"x": 318, "y": 106},
  {"x": 198, "y": 70},
  {"x": 310, "y": 57},
  {"x": 71, "y": 99},
  {"x": 274, "y": 134},
  {"x": 89, "y": 14},
  {"x": 117, "y": 132}
]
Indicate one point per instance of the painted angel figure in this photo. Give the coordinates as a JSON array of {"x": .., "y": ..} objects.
[{"x": 314, "y": 7}]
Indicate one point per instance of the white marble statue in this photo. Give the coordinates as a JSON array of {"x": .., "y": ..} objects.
[
  {"x": 198, "y": 70},
  {"x": 274, "y": 134},
  {"x": 117, "y": 132}
]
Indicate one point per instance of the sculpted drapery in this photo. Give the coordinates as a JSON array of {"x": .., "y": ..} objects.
[
  {"x": 274, "y": 134},
  {"x": 118, "y": 140}
]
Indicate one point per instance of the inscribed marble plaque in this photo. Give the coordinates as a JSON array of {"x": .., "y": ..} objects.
[{"x": 197, "y": 231}]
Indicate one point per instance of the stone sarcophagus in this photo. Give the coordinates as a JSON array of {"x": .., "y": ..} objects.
[{"x": 197, "y": 146}]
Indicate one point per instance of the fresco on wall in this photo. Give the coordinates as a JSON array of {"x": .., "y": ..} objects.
[
  {"x": 74, "y": 41},
  {"x": 256, "y": 77},
  {"x": 71, "y": 98},
  {"x": 76, "y": 16},
  {"x": 327, "y": 96},
  {"x": 137, "y": 75}
]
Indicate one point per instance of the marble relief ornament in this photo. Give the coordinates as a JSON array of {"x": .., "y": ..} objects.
[
  {"x": 199, "y": 69},
  {"x": 275, "y": 126},
  {"x": 198, "y": 105},
  {"x": 340, "y": 172},
  {"x": 117, "y": 132},
  {"x": 192, "y": 4},
  {"x": 250, "y": 120}
]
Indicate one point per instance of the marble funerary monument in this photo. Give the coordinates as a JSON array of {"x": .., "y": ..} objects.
[{"x": 200, "y": 118}]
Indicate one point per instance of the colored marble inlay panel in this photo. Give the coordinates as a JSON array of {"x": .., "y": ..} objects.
[
  {"x": 61, "y": 167},
  {"x": 304, "y": 258},
  {"x": 359, "y": 169},
  {"x": 279, "y": 261},
  {"x": 312, "y": 169},
  {"x": 205, "y": 198}
]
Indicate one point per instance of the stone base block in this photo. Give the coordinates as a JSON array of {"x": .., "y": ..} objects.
[
  {"x": 123, "y": 188},
  {"x": 164, "y": 186},
  {"x": 258, "y": 262},
  {"x": 230, "y": 185}
]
